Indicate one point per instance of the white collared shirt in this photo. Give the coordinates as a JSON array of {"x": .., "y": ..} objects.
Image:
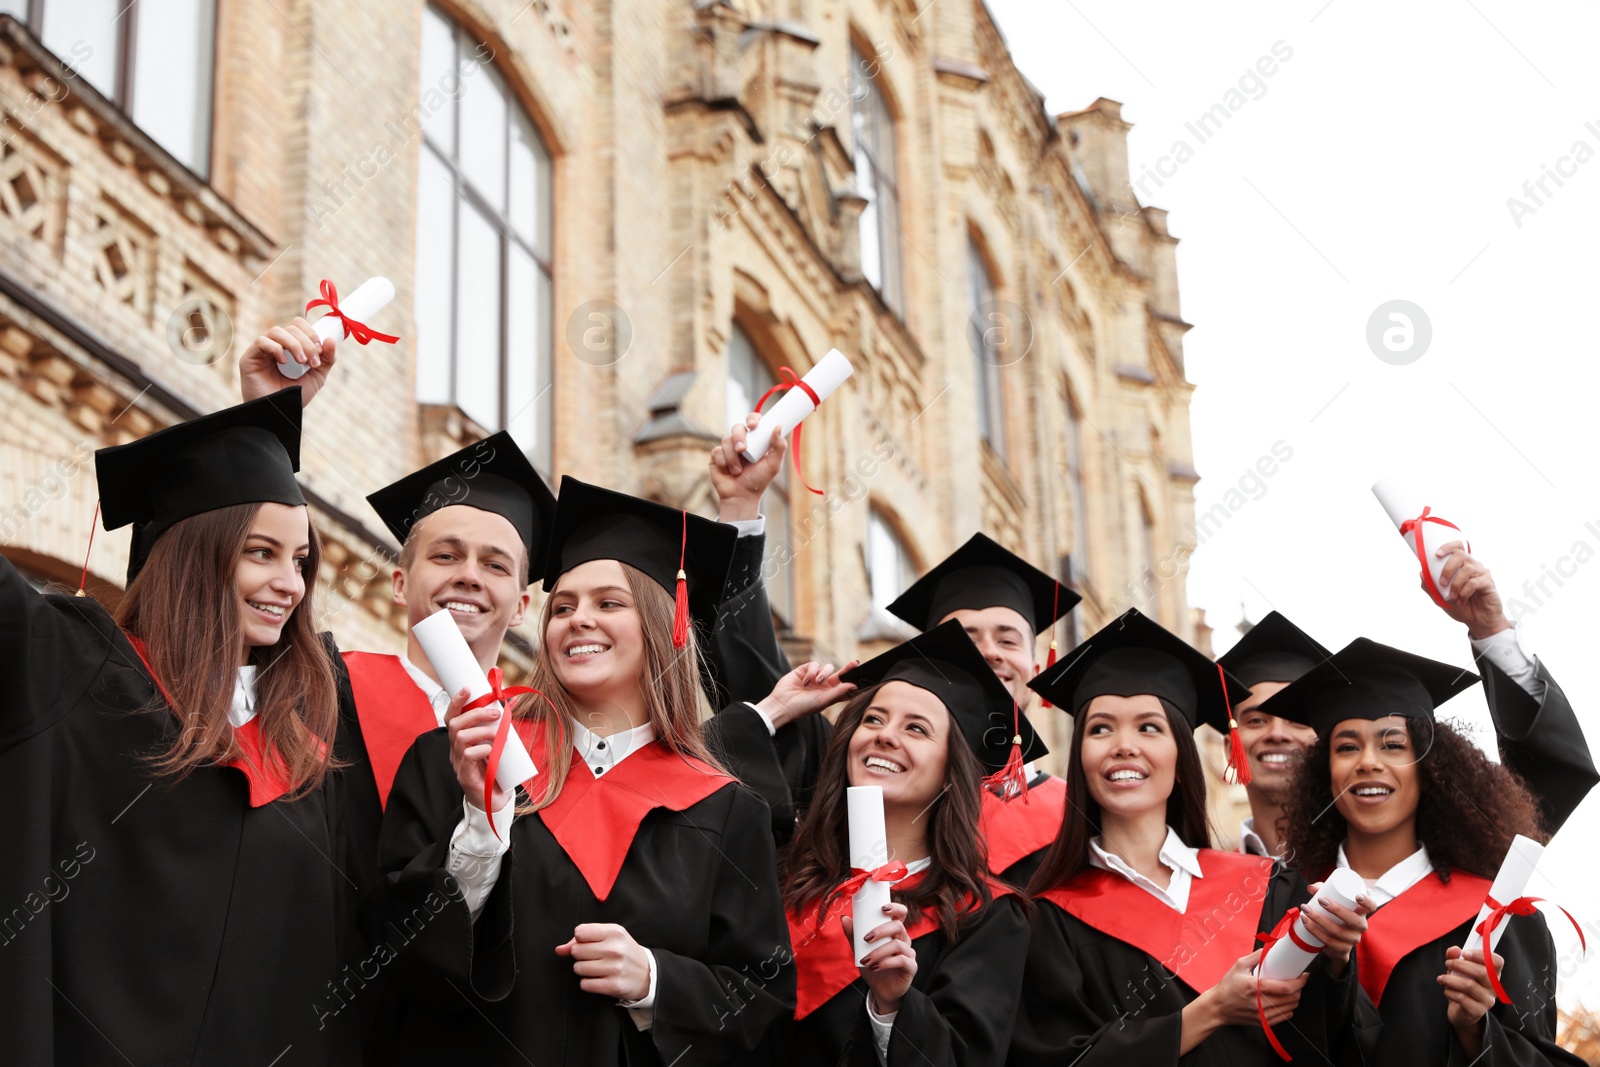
[
  {"x": 1505, "y": 651},
  {"x": 1250, "y": 842},
  {"x": 883, "y": 1025},
  {"x": 1177, "y": 857},
  {"x": 430, "y": 689},
  {"x": 601, "y": 754},
  {"x": 1397, "y": 879},
  {"x": 243, "y": 708}
]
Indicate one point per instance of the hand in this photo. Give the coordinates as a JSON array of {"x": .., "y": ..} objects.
[
  {"x": 891, "y": 964},
  {"x": 608, "y": 961},
  {"x": 739, "y": 485},
  {"x": 1474, "y": 600},
  {"x": 1338, "y": 928},
  {"x": 471, "y": 740},
  {"x": 804, "y": 691},
  {"x": 258, "y": 367},
  {"x": 1466, "y": 987},
  {"x": 1234, "y": 998}
]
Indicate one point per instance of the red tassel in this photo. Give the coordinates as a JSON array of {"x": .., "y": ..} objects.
[
  {"x": 1238, "y": 769},
  {"x": 1050, "y": 661},
  {"x": 680, "y": 612},
  {"x": 1012, "y": 779}
]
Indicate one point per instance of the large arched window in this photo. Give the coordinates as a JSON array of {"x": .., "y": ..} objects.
[
  {"x": 483, "y": 244},
  {"x": 875, "y": 180},
  {"x": 749, "y": 377},
  {"x": 152, "y": 58},
  {"x": 890, "y": 569}
]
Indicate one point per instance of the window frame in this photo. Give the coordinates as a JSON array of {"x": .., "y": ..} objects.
[
  {"x": 873, "y": 112},
  {"x": 988, "y": 389}
]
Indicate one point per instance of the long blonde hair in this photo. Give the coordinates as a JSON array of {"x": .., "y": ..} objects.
[{"x": 671, "y": 688}]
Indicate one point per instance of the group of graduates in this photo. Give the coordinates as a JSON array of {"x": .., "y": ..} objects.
[{"x": 228, "y": 842}]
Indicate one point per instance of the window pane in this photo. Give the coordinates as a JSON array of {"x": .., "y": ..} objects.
[
  {"x": 530, "y": 191},
  {"x": 438, "y": 81},
  {"x": 478, "y": 295},
  {"x": 83, "y": 34},
  {"x": 17, "y": 9},
  {"x": 886, "y": 563},
  {"x": 483, "y": 135},
  {"x": 172, "y": 77},
  {"x": 780, "y": 579},
  {"x": 527, "y": 375},
  {"x": 436, "y": 242}
]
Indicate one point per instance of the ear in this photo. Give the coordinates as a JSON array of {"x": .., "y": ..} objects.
[
  {"x": 397, "y": 582},
  {"x": 520, "y": 612}
]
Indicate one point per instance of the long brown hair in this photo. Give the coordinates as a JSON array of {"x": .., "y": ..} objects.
[
  {"x": 671, "y": 689},
  {"x": 1186, "y": 806},
  {"x": 184, "y": 606},
  {"x": 1468, "y": 808},
  {"x": 818, "y": 860}
]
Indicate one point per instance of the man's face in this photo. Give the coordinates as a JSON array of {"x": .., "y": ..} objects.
[
  {"x": 469, "y": 562},
  {"x": 1006, "y": 641}
]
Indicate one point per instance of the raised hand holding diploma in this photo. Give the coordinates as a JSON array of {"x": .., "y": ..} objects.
[
  {"x": 1423, "y": 531},
  {"x": 261, "y": 366},
  {"x": 348, "y": 319},
  {"x": 801, "y": 396}
]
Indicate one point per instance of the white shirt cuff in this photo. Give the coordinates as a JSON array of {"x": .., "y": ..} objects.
[
  {"x": 476, "y": 853},
  {"x": 882, "y": 1029},
  {"x": 750, "y": 527},
  {"x": 1505, "y": 651},
  {"x": 772, "y": 731},
  {"x": 643, "y": 1011}
]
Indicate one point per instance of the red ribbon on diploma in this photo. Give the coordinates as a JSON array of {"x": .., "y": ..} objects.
[
  {"x": 791, "y": 380},
  {"x": 1422, "y": 552},
  {"x": 1499, "y": 914},
  {"x": 496, "y": 694},
  {"x": 1284, "y": 929},
  {"x": 893, "y": 871},
  {"x": 358, "y": 332}
]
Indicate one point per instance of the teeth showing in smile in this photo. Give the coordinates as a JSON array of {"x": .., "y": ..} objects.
[
  {"x": 1127, "y": 776},
  {"x": 462, "y": 605},
  {"x": 585, "y": 650},
  {"x": 878, "y": 763},
  {"x": 269, "y": 609},
  {"x": 1372, "y": 790},
  {"x": 1276, "y": 759}
]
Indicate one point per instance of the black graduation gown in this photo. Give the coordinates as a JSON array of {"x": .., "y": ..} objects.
[
  {"x": 151, "y": 921},
  {"x": 743, "y": 653},
  {"x": 1541, "y": 741},
  {"x": 1090, "y": 998},
  {"x": 698, "y": 888},
  {"x": 958, "y": 1012}
]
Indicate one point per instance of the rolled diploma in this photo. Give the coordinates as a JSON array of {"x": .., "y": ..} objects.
[
  {"x": 447, "y": 650},
  {"x": 1285, "y": 959},
  {"x": 869, "y": 850},
  {"x": 1512, "y": 882},
  {"x": 369, "y": 299},
  {"x": 794, "y": 405},
  {"x": 1403, "y": 505}
]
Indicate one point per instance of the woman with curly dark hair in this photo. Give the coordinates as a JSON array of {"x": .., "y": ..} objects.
[
  {"x": 1144, "y": 943},
  {"x": 940, "y": 982},
  {"x": 1424, "y": 817}
]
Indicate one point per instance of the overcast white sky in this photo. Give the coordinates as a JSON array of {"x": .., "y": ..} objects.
[{"x": 1375, "y": 164}]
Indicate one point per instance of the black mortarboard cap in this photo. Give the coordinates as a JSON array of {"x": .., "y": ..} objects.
[
  {"x": 245, "y": 454},
  {"x": 491, "y": 475},
  {"x": 1274, "y": 650},
  {"x": 982, "y": 574},
  {"x": 1368, "y": 680},
  {"x": 593, "y": 523},
  {"x": 946, "y": 663}
]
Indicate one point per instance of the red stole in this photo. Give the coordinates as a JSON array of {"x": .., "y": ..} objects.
[
  {"x": 823, "y": 956},
  {"x": 594, "y": 820},
  {"x": 1425, "y": 912},
  {"x": 264, "y": 770},
  {"x": 1021, "y": 826},
  {"x": 393, "y": 711},
  {"x": 1199, "y": 945}
]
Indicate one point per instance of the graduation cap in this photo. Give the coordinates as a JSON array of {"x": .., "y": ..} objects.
[
  {"x": 1274, "y": 650},
  {"x": 983, "y": 574},
  {"x": 492, "y": 475},
  {"x": 686, "y": 555},
  {"x": 1368, "y": 680},
  {"x": 245, "y": 454},
  {"x": 946, "y": 663},
  {"x": 1134, "y": 655}
]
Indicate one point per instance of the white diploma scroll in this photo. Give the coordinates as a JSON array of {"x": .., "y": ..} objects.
[
  {"x": 1512, "y": 882},
  {"x": 794, "y": 405},
  {"x": 458, "y": 668},
  {"x": 372, "y": 296},
  {"x": 1404, "y": 505},
  {"x": 869, "y": 850},
  {"x": 1285, "y": 959}
]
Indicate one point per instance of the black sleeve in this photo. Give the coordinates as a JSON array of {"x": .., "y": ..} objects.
[
  {"x": 964, "y": 1017},
  {"x": 32, "y": 670},
  {"x": 1541, "y": 741},
  {"x": 1522, "y": 1033},
  {"x": 721, "y": 1006},
  {"x": 742, "y": 652},
  {"x": 781, "y": 769},
  {"x": 1327, "y": 1027}
]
